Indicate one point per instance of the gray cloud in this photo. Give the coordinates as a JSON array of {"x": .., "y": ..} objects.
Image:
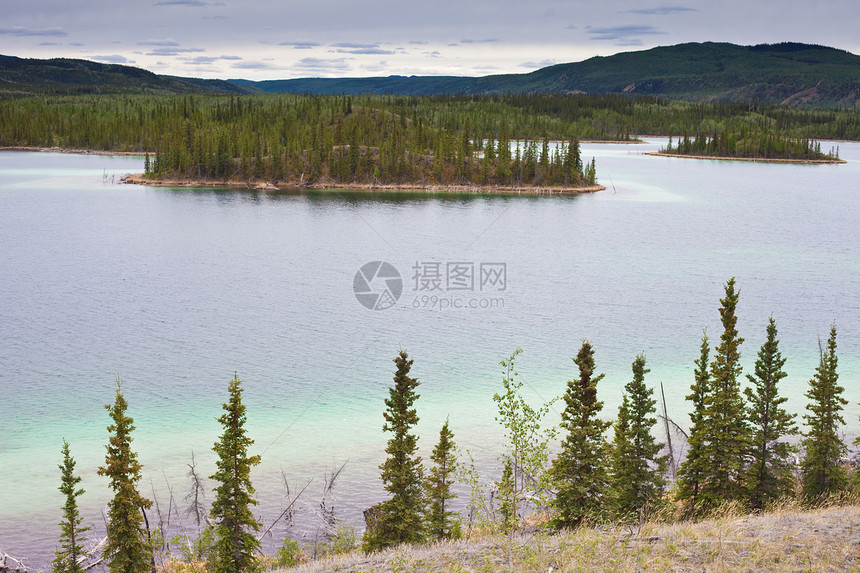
[
  {"x": 162, "y": 43},
  {"x": 301, "y": 45},
  {"x": 323, "y": 65},
  {"x": 538, "y": 65},
  {"x": 189, "y": 3},
  {"x": 255, "y": 66},
  {"x": 173, "y": 51},
  {"x": 486, "y": 41},
  {"x": 355, "y": 46},
  {"x": 367, "y": 51},
  {"x": 23, "y": 31},
  {"x": 623, "y": 35},
  {"x": 660, "y": 10},
  {"x": 114, "y": 59}
]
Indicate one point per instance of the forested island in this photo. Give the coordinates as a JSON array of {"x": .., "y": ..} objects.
[{"x": 745, "y": 145}]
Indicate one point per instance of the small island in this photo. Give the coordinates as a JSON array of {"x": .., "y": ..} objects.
[{"x": 750, "y": 146}]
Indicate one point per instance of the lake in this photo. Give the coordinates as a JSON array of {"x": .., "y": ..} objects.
[{"x": 174, "y": 290}]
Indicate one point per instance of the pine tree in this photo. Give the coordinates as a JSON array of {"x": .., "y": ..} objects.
[
  {"x": 821, "y": 471},
  {"x": 231, "y": 509},
  {"x": 129, "y": 548},
  {"x": 692, "y": 469},
  {"x": 580, "y": 472},
  {"x": 726, "y": 430},
  {"x": 769, "y": 475},
  {"x": 638, "y": 470},
  {"x": 400, "y": 519},
  {"x": 441, "y": 521},
  {"x": 66, "y": 560}
]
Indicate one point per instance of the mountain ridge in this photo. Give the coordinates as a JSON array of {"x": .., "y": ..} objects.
[{"x": 792, "y": 73}]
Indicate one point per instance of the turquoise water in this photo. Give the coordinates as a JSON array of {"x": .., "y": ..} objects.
[{"x": 175, "y": 290}]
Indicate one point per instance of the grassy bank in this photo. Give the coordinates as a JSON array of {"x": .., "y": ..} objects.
[{"x": 788, "y": 539}]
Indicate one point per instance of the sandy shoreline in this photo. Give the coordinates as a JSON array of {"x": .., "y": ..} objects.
[
  {"x": 74, "y": 151},
  {"x": 266, "y": 186},
  {"x": 752, "y": 159}
]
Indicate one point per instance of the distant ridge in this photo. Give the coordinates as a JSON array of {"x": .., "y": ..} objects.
[
  {"x": 791, "y": 73},
  {"x": 25, "y": 76},
  {"x": 797, "y": 74}
]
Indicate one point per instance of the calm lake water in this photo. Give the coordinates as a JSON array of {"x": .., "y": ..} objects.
[{"x": 174, "y": 290}]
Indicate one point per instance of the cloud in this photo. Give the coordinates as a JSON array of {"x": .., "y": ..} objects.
[
  {"x": 355, "y": 46},
  {"x": 659, "y": 10},
  {"x": 22, "y": 31},
  {"x": 301, "y": 45},
  {"x": 419, "y": 42},
  {"x": 538, "y": 65},
  {"x": 255, "y": 65},
  {"x": 174, "y": 51},
  {"x": 623, "y": 35},
  {"x": 188, "y": 3},
  {"x": 209, "y": 60},
  {"x": 114, "y": 59},
  {"x": 162, "y": 43},
  {"x": 485, "y": 41},
  {"x": 367, "y": 51},
  {"x": 323, "y": 65}
]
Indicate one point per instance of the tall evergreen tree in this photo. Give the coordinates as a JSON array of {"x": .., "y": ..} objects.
[
  {"x": 71, "y": 530},
  {"x": 692, "y": 469},
  {"x": 440, "y": 518},
  {"x": 580, "y": 470},
  {"x": 769, "y": 475},
  {"x": 726, "y": 429},
  {"x": 821, "y": 472},
  {"x": 129, "y": 548},
  {"x": 234, "y": 495},
  {"x": 400, "y": 519},
  {"x": 638, "y": 470}
]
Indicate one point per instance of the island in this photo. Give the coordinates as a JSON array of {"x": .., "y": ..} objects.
[{"x": 757, "y": 146}]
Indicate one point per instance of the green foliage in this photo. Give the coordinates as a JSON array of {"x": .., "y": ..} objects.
[
  {"x": 637, "y": 477},
  {"x": 770, "y": 474},
  {"x": 726, "y": 432},
  {"x": 400, "y": 519},
  {"x": 231, "y": 510},
  {"x": 66, "y": 560},
  {"x": 526, "y": 440},
  {"x": 821, "y": 471},
  {"x": 580, "y": 470},
  {"x": 508, "y": 515},
  {"x": 129, "y": 548},
  {"x": 289, "y": 554},
  {"x": 693, "y": 468},
  {"x": 440, "y": 518}
]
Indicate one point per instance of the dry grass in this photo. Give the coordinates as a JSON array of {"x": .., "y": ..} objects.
[{"x": 787, "y": 539}]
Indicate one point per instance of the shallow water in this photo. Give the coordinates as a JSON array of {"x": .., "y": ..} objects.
[{"x": 174, "y": 290}]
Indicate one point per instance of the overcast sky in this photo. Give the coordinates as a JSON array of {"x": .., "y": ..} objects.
[{"x": 275, "y": 39}]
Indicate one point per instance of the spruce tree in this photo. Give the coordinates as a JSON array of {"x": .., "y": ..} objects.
[
  {"x": 580, "y": 470},
  {"x": 400, "y": 519},
  {"x": 726, "y": 430},
  {"x": 234, "y": 495},
  {"x": 692, "y": 469},
  {"x": 70, "y": 552},
  {"x": 129, "y": 548},
  {"x": 769, "y": 475},
  {"x": 821, "y": 471},
  {"x": 441, "y": 521},
  {"x": 638, "y": 470}
]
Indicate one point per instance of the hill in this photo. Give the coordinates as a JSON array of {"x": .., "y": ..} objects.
[
  {"x": 796, "y": 74},
  {"x": 23, "y": 77}
]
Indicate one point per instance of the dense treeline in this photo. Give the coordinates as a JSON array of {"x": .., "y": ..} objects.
[
  {"x": 740, "y": 450},
  {"x": 498, "y": 139}
]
